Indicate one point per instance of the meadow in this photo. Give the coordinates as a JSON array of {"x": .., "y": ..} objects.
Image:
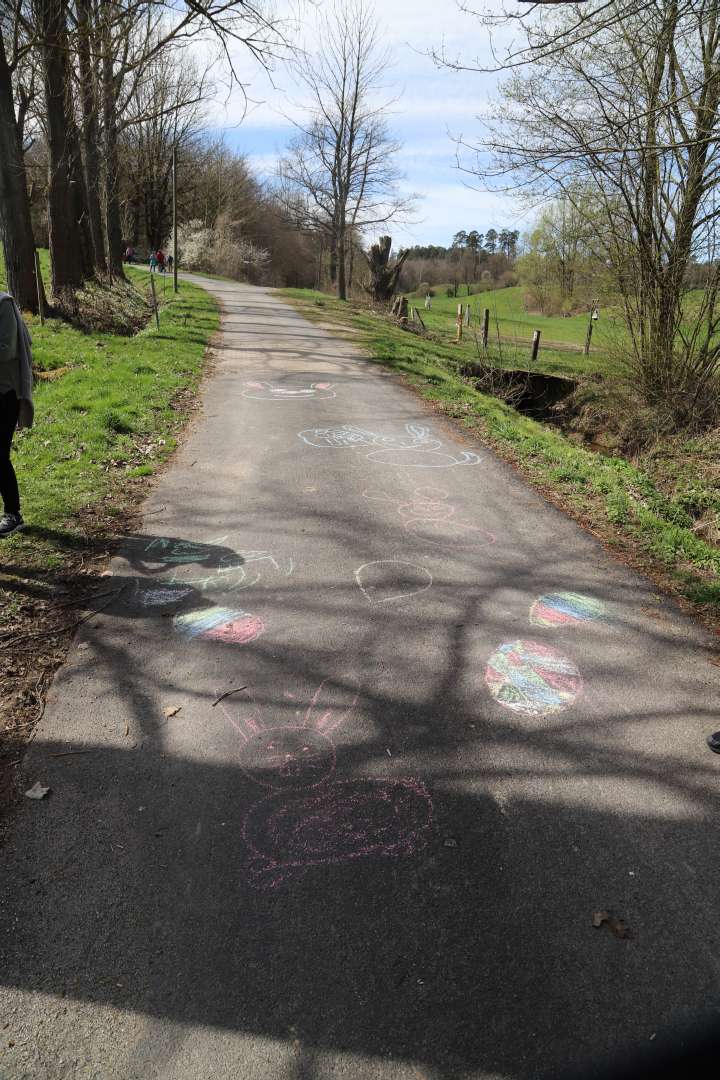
[{"x": 511, "y": 330}]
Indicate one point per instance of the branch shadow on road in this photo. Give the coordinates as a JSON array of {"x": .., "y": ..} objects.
[{"x": 444, "y": 944}]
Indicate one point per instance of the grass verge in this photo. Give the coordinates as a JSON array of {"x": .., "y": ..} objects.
[
  {"x": 621, "y": 503},
  {"x": 106, "y": 420}
]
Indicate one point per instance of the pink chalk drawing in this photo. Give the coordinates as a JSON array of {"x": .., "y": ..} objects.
[
  {"x": 219, "y": 624},
  {"x": 428, "y": 515},
  {"x": 311, "y": 818},
  {"x": 265, "y": 391},
  {"x": 417, "y": 448}
]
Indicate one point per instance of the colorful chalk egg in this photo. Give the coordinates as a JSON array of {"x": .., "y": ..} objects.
[
  {"x": 532, "y": 678},
  {"x": 219, "y": 624},
  {"x": 565, "y": 609}
]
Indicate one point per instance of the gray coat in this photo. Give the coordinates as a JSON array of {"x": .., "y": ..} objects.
[{"x": 24, "y": 349}]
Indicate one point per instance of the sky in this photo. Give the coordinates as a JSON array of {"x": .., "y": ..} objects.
[{"x": 433, "y": 105}]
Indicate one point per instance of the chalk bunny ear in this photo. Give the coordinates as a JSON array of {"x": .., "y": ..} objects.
[
  {"x": 258, "y": 385},
  {"x": 332, "y": 703},
  {"x": 321, "y": 386},
  {"x": 242, "y": 713}
]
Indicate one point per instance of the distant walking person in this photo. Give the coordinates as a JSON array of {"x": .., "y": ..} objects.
[
  {"x": 160, "y": 256},
  {"x": 153, "y": 262},
  {"x": 16, "y": 404},
  {"x": 170, "y": 262}
]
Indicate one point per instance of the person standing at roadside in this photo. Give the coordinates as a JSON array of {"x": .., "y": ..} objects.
[
  {"x": 153, "y": 262},
  {"x": 16, "y": 404},
  {"x": 160, "y": 256}
]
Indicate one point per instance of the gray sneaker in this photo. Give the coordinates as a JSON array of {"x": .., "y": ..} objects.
[{"x": 9, "y": 524}]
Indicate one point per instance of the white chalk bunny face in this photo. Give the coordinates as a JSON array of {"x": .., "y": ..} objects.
[
  {"x": 292, "y": 756},
  {"x": 265, "y": 391}
]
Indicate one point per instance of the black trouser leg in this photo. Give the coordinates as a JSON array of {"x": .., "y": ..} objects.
[{"x": 9, "y": 410}]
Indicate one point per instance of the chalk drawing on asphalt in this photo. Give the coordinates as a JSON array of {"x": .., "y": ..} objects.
[
  {"x": 385, "y": 580},
  {"x": 566, "y": 609},
  {"x": 171, "y": 551},
  {"x": 160, "y": 594},
  {"x": 417, "y": 448},
  {"x": 311, "y": 818},
  {"x": 428, "y": 514},
  {"x": 265, "y": 391},
  {"x": 532, "y": 678},
  {"x": 219, "y": 624},
  {"x": 237, "y": 570}
]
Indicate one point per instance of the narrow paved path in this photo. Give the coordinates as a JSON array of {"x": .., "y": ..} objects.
[{"x": 380, "y": 858}]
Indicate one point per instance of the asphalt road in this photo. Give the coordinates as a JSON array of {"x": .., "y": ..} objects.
[{"x": 381, "y": 858}]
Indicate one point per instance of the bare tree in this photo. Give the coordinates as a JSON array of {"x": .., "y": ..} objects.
[
  {"x": 166, "y": 111},
  {"x": 629, "y": 120},
  {"x": 339, "y": 176},
  {"x": 15, "y": 223},
  {"x": 68, "y": 222}
]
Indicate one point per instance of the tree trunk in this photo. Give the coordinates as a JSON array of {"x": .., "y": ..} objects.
[
  {"x": 341, "y": 268},
  {"x": 113, "y": 226},
  {"x": 67, "y": 211},
  {"x": 15, "y": 223},
  {"x": 90, "y": 135},
  {"x": 333, "y": 260}
]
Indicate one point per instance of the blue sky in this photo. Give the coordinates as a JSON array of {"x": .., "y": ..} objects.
[{"x": 433, "y": 105}]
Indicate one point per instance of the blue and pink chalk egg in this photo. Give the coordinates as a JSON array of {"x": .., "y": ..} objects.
[
  {"x": 565, "y": 609},
  {"x": 219, "y": 624},
  {"x": 531, "y": 678}
]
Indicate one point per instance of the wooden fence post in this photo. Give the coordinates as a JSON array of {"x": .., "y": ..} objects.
[
  {"x": 40, "y": 290},
  {"x": 459, "y": 322},
  {"x": 403, "y": 309},
  {"x": 467, "y": 315},
  {"x": 593, "y": 316},
  {"x": 155, "y": 303},
  {"x": 535, "y": 345},
  {"x": 486, "y": 328}
]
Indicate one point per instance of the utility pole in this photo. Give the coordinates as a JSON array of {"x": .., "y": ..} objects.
[{"x": 174, "y": 216}]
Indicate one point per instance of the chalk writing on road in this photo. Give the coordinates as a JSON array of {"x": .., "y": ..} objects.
[
  {"x": 391, "y": 579},
  {"x": 265, "y": 391},
  {"x": 428, "y": 514},
  {"x": 565, "y": 609},
  {"x": 417, "y": 448},
  {"x": 311, "y": 818},
  {"x": 532, "y": 678},
  {"x": 219, "y": 624}
]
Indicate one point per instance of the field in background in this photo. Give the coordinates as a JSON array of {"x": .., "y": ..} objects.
[{"x": 511, "y": 329}]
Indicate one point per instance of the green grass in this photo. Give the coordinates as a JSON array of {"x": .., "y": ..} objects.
[
  {"x": 112, "y": 417},
  {"x": 608, "y": 493}
]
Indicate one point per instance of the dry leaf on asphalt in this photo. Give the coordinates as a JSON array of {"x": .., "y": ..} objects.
[
  {"x": 37, "y": 791},
  {"x": 614, "y": 924},
  {"x": 171, "y": 710}
]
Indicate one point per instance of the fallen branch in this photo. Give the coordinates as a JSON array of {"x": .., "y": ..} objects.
[{"x": 227, "y": 693}]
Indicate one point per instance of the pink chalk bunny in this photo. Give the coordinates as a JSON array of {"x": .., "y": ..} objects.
[{"x": 311, "y": 818}]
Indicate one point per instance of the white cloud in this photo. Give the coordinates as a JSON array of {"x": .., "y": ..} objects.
[{"x": 431, "y": 104}]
